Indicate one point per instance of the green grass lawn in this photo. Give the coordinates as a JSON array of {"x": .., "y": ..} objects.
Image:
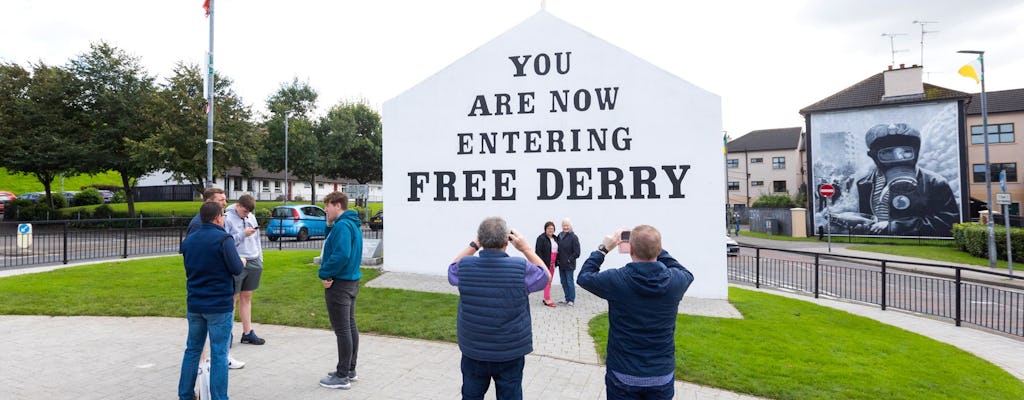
[
  {"x": 854, "y": 239},
  {"x": 939, "y": 253},
  {"x": 19, "y": 183},
  {"x": 791, "y": 349},
  {"x": 186, "y": 208},
  {"x": 785, "y": 349}
]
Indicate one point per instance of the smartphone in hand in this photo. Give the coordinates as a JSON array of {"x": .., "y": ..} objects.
[{"x": 624, "y": 242}]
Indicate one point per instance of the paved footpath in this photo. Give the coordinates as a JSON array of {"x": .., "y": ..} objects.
[{"x": 139, "y": 358}]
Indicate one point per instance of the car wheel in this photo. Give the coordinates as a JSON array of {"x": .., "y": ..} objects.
[
  {"x": 303, "y": 235},
  {"x": 272, "y": 238}
]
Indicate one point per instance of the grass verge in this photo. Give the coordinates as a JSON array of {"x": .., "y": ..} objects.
[
  {"x": 855, "y": 239},
  {"x": 791, "y": 349},
  {"x": 937, "y": 253}
]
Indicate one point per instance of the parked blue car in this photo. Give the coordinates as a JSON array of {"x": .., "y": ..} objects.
[{"x": 298, "y": 221}]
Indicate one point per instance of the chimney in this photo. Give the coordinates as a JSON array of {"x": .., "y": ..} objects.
[{"x": 903, "y": 83}]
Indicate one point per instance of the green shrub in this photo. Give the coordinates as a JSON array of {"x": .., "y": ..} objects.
[
  {"x": 59, "y": 201},
  {"x": 973, "y": 238},
  {"x": 13, "y": 211},
  {"x": 87, "y": 197},
  {"x": 774, "y": 201},
  {"x": 103, "y": 211},
  {"x": 119, "y": 197}
]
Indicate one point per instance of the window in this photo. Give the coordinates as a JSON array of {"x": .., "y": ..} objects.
[
  {"x": 732, "y": 163},
  {"x": 305, "y": 185},
  {"x": 998, "y": 133},
  {"x": 320, "y": 186},
  {"x": 756, "y": 160},
  {"x": 266, "y": 185},
  {"x": 1010, "y": 168},
  {"x": 734, "y": 186},
  {"x": 778, "y": 162},
  {"x": 756, "y": 183},
  {"x": 779, "y": 186},
  {"x": 277, "y": 186},
  {"x": 237, "y": 183}
]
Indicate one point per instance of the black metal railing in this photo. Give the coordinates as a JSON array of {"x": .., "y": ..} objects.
[
  {"x": 979, "y": 297},
  {"x": 68, "y": 241}
]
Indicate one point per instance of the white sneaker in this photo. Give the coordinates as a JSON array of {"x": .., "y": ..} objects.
[{"x": 235, "y": 364}]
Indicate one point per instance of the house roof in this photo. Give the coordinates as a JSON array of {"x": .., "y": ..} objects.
[
  {"x": 767, "y": 139},
  {"x": 998, "y": 102},
  {"x": 869, "y": 92}
]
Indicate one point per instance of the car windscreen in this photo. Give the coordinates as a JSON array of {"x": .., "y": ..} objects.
[{"x": 282, "y": 212}]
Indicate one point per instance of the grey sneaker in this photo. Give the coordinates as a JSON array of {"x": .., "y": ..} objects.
[
  {"x": 334, "y": 382},
  {"x": 351, "y": 375},
  {"x": 570, "y": 304}
]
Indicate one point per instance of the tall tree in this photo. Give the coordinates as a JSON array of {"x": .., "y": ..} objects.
[
  {"x": 120, "y": 105},
  {"x": 298, "y": 100},
  {"x": 353, "y": 133},
  {"x": 178, "y": 146},
  {"x": 41, "y": 119}
]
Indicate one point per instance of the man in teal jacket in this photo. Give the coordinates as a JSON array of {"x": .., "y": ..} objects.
[{"x": 339, "y": 273}]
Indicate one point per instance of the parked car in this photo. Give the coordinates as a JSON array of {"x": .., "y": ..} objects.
[
  {"x": 107, "y": 195},
  {"x": 377, "y": 221},
  {"x": 5, "y": 197},
  {"x": 732, "y": 249},
  {"x": 298, "y": 221},
  {"x": 32, "y": 196}
]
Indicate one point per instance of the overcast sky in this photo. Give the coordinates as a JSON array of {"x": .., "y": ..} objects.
[{"x": 766, "y": 59}]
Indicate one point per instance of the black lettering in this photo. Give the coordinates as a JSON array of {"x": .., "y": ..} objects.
[
  {"x": 416, "y": 181},
  {"x": 525, "y": 103},
  {"x": 677, "y": 192},
  {"x": 464, "y": 146},
  {"x": 488, "y": 145},
  {"x": 559, "y": 102},
  {"x": 555, "y": 136},
  {"x": 621, "y": 144},
  {"x": 639, "y": 181},
  {"x": 600, "y": 139},
  {"x": 503, "y": 179},
  {"x": 539, "y": 67},
  {"x": 479, "y": 104},
  {"x": 473, "y": 179},
  {"x": 531, "y": 142},
  {"x": 558, "y": 62},
  {"x": 606, "y": 101},
  {"x": 607, "y": 182},
  {"x": 509, "y": 136},
  {"x": 519, "y": 65},
  {"x": 445, "y": 182},
  {"x": 502, "y": 106},
  {"x": 575, "y": 140},
  {"x": 556, "y": 190},
  {"x": 577, "y": 184},
  {"x": 576, "y": 100}
]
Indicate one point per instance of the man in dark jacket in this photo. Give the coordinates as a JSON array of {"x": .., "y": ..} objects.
[
  {"x": 643, "y": 301},
  {"x": 340, "y": 274},
  {"x": 494, "y": 327},
  {"x": 211, "y": 262},
  {"x": 568, "y": 252}
]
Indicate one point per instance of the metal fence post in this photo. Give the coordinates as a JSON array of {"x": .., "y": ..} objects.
[
  {"x": 884, "y": 286},
  {"x": 65, "y": 242},
  {"x": 817, "y": 274},
  {"x": 124, "y": 253},
  {"x": 958, "y": 283},
  {"x": 757, "y": 267}
]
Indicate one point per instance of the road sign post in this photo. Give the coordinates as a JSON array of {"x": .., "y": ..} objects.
[
  {"x": 827, "y": 191},
  {"x": 24, "y": 236},
  {"x": 1004, "y": 200}
]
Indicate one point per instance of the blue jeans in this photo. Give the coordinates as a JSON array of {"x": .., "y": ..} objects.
[
  {"x": 507, "y": 375},
  {"x": 218, "y": 326},
  {"x": 565, "y": 276},
  {"x": 616, "y": 390}
]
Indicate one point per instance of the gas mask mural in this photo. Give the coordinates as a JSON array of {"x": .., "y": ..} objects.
[{"x": 890, "y": 192}]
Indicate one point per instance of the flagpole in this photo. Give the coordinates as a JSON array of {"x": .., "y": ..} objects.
[
  {"x": 988, "y": 166},
  {"x": 209, "y": 104}
]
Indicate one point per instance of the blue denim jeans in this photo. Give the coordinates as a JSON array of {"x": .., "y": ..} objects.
[
  {"x": 218, "y": 326},
  {"x": 507, "y": 375},
  {"x": 565, "y": 276},
  {"x": 616, "y": 390}
]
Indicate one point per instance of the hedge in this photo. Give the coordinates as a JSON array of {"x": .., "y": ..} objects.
[{"x": 973, "y": 238}]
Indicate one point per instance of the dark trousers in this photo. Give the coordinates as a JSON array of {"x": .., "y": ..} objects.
[
  {"x": 341, "y": 308},
  {"x": 507, "y": 375},
  {"x": 616, "y": 390}
]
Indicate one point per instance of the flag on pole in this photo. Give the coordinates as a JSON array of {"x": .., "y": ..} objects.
[
  {"x": 972, "y": 70},
  {"x": 206, "y": 7}
]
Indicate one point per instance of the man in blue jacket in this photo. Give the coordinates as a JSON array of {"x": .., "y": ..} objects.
[
  {"x": 494, "y": 328},
  {"x": 211, "y": 262},
  {"x": 643, "y": 301},
  {"x": 340, "y": 274}
]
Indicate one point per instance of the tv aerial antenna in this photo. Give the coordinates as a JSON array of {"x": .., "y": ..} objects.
[
  {"x": 892, "y": 44},
  {"x": 923, "y": 32}
]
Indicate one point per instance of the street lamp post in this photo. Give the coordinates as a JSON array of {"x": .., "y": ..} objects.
[
  {"x": 988, "y": 166},
  {"x": 287, "y": 187}
]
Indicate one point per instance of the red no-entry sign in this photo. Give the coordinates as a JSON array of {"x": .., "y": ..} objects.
[{"x": 826, "y": 190}]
